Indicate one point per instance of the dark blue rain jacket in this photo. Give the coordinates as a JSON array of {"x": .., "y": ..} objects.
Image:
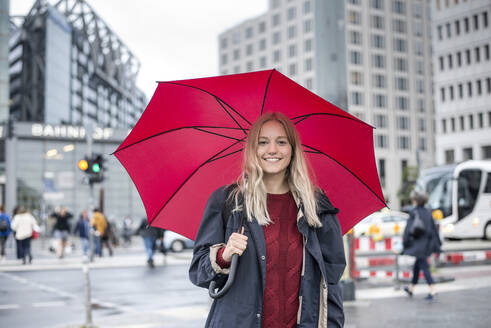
[
  {"x": 324, "y": 262},
  {"x": 426, "y": 244}
]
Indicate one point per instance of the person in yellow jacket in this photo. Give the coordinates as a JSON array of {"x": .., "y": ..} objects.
[{"x": 99, "y": 223}]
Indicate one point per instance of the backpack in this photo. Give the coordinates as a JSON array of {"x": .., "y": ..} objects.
[
  {"x": 4, "y": 226},
  {"x": 418, "y": 228}
]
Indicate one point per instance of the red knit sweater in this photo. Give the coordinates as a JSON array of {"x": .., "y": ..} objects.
[{"x": 283, "y": 263}]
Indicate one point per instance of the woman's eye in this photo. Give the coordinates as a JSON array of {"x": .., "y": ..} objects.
[
  {"x": 263, "y": 142},
  {"x": 282, "y": 142}
]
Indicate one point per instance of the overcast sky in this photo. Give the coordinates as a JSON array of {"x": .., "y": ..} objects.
[{"x": 173, "y": 39}]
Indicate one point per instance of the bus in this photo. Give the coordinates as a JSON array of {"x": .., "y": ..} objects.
[{"x": 460, "y": 197}]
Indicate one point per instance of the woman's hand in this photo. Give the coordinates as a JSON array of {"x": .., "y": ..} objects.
[{"x": 237, "y": 243}]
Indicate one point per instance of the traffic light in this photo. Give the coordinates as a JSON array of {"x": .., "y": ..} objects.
[{"x": 93, "y": 167}]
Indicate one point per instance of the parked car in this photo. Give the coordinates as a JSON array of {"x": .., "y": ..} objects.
[
  {"x": 382, "y": 224},
  {"x": 176, "y": 242}
]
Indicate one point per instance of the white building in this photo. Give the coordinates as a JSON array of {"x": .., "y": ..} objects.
[
  {"x": 370, "y": 56},
  {"x": 462, "y": 79}
]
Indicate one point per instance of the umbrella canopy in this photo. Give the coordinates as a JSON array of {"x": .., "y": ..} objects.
[{"x": 189, "y": 142}]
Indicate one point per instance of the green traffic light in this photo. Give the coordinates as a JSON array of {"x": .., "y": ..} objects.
[{"x": 96, "y": 168}]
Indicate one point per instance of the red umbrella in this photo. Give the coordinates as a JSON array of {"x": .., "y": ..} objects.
[{"x": 189, "y": 142}]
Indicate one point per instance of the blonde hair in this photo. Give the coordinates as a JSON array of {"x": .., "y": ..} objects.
[{"x": 250, "y": 184}]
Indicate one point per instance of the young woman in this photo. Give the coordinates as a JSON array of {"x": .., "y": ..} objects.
[
  {"x": 290, "y": 245},
  {"x": 422, "y": 246}
]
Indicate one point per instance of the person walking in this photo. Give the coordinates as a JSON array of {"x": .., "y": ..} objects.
[
  {"x": 83, "y": 229},
  {"x": 99, "y": 223},
  {"x": 107, "y": 238},
  {"x": 4, "y": 231},
  {"x": 285, "y": 231},
  {"x": 150, "y": 236},
  {"x": 421, "y": 239},
  {"x": 61, "y": 230},
  {"x": 24, "y": 224}
]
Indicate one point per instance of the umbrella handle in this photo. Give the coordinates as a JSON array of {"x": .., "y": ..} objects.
[{"x": 230, "y": 280}]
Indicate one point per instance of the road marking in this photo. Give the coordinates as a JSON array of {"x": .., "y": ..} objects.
[
  {"x": 49, "y": 304},
  {"x": 9, "y": 306}
]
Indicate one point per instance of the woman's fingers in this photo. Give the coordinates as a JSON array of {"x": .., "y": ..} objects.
[{"x": 236, "y": 244}]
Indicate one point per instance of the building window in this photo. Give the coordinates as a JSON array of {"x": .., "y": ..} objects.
[
  {"x": 354, "y": 2},
  {"x": 276, "y": 56},
  {"x": 457, "y": 27},
  {"x": 379, "y": 101},
  {"x": 249, "y": 49},
  {"x": 308, "y": 45},
  {"x": 381, "y": 171},
  {"x": 450, "y": 62},
  {"x": 292, "y": 32},
  {"x": 480, "y": 119},
  {"x": 377, "y": 21},
  {"x": 449, "y": 34},
  {"x": 399, "y": 7},
  {"x": 306, "y": 7},
  {"x": 377, "y": 4},
  {"x": 378, "y": 41},
  {"x": 478, "y": 54},
  {"x": 275, "y": 4},
  {"x": 452, "y": 124},
  {"x": 307, "y": 26},
  {"x": 276, "y": 37},
  {"x": 356, "y": 98},
  {"x": 249, "y": 66},
  {"x": 262, "y": 27},
  {"x": 403, "y": 142},
  {"x": 417, "y": 10},
  {"x": 449, "y": 156},
  {"x": 403, "y": 122},
  {"x": 308, "y": 64},
  {"x": 224, "y": 43},
  {"x": 262, "y": 62},
  {"x": 488, "y": 85},
  {"x": 466, "y": 24},
  {"x": 355, "y": 37},
  {"x": 467, "y": 154},
  {"x": 402, "y": 103},
  {"x": 486, "y": 152},
  {"x": 379, "y": 80},
  {"x": 354, "y": 17},
  {"x": 400, "y": 64},
  {"x": 381, "y": 141},
  {"x": 444, "y": 126},
  {"x": 292, "y": 69},
  {"x": 399, "y": 25},
  {"x": 276, "y": 19},
  {"x": 451, "y": 92},
  {"x": 400, "y": 45},
  {"x": 476, "y": 22},
  {"x": 309, "y": 84},
  {"x": 471, "y": 122},
  {"x": 479, "y": 87},
  {"x": 378, "y": 61},
  {"x": 236, "y": 37},
  {"x": 262, "y": 44},
  {"x": 468, "y": 56},
  {"x": 422, "y": 125},
  {"x": 237, "y": 69},
  {"x": 420, "y": 86},
  {"x": 422, "y": 143},
  {"x": 236, "y": 54},
  {"x": 356, "y": 57},
  {"x": 442, "y": 94},
  {"x": 419, "y": 67},
  {"x": 380, "y": 121},
  {"x": 461, "y": 90},
  {"x": 469, "y": 89},
  {"x": 486, "y": 51},
  {"x": 440, "y": 59},
  {"x": 462, "y": 123},
  {"x": 421, "y": 105},
  {"x": 401, "y": 83},
  {"x": 292, "y": 13},
  {"x": 485, "y": 19},
  {"x": 224, "y": 59},
  {"x": 459, "y": 58},
  {"x": 248, "y": 32},
  {"x": 440, "y": 32},
  {"x": 292, "y": 50}
]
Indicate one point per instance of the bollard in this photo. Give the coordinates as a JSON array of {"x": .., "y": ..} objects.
[
  {"x": 397, "y": 285},
  {"x": 88, "y": 302}
]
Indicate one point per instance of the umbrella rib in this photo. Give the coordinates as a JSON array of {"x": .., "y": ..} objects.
[
  {"x": 233, "y": 118},
  {"x": 217, "y": 158},
  {"x": 306, "y": 116},
  {"x": 218, "y": 134},
  {"x": 266, "y": 90},
  {"x": 189, "y": 177},
  {"x": 353, "y": 174},
  {"x": 173, "y": 130},
  {"x": 211, "y": 94}
]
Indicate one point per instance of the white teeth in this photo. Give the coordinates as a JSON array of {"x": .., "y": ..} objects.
[{"x": 272, "y": 159}]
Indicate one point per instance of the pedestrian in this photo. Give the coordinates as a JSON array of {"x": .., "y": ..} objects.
[
  {"x": 5, "y": 231},
  {"x": 107, "y": 238},
  {"x": 83, "y": 229},
  {"x": 24, "y": 224},
  {"x": 127, "y": 231},
  {"x": 150, "y": 236},
  {"x": 99, "y": 223},
  {"x": 421, "y": 244},
  {"x": 61, "y": 229},
  {"x": 290, "y": 242}
]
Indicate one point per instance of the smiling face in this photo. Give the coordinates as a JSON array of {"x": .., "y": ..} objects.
[{"x": 274, "y": 151}]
